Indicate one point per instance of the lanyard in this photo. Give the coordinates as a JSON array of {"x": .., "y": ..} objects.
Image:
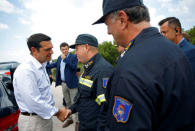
[{"x": 129, "y": 45}]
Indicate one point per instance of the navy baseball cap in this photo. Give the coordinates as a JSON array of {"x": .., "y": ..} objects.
[
  {"x": 85, "y": 39},
  {"x": 114, "y": 5}
]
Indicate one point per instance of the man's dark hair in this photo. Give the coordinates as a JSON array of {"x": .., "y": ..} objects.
[
  {"x": 35, "y": 39},
  {"x": 137, "y": 14},
  {"x": 186, "y": 36},
  {"x": 63, "y": 45},
  {"x": 173, "y": 22}
]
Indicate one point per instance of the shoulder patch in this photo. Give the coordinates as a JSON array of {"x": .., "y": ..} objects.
[
  {"x": 121, "y": 109},
  {"x": 105, "y": 81}
]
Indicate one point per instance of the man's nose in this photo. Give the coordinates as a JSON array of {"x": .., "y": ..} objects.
[
  {"x": 108, "y": 31},
  {"x": 51, "y": 51}
]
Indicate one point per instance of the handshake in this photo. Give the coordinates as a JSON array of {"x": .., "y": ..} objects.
[{"x": 63, "y": 114}]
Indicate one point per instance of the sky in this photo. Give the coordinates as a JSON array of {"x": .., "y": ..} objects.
[{"x": 64, "y": 20}]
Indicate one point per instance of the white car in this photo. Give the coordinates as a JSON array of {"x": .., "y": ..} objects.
[{"x": 6, "y": 67}]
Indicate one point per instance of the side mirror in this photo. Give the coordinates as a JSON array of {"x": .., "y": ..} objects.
[{"x": 7, "y": 81}]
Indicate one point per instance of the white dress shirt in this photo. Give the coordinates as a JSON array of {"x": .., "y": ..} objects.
[
  {"x": 32, "y": 89},
  {"x": 62, "y": 69}
]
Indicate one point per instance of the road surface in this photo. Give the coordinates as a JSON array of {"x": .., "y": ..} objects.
[{"x": 57, "y": 125}]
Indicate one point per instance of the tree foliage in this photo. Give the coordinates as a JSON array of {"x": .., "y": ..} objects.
[
  {"x": 191, "y": 32},
  {"x": 109, "y": 52}
]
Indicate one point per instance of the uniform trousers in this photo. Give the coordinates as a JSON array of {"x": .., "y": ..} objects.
[
  {"x": 68, "y": 95},
  {"x": 34, "y": 123}
]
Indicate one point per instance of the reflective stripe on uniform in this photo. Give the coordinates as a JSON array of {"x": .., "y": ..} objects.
[
  {"x": 86, "y": 82},
  {"x": 101, "y": 98}
]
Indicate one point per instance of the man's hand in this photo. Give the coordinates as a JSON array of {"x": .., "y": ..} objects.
[
  {"x": 61, "y": 114},
  {"x": 68, "y": 113},
  {"x": 63, "y": 56}
]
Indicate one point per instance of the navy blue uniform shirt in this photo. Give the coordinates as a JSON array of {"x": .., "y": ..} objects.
[
  {"x": 91, "y": 93},
  {"x": 152, "y": 87}
]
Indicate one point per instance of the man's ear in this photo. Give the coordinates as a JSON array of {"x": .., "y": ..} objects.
[
  {"x": 123, "y": 18},
  {"x": 87, "y": 46},
  {"x": 177, "y": 30},
  {"x": 33, "y": 50}
]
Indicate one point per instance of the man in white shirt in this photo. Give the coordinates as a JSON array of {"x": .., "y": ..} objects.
[{"x": 32, "y": 88}]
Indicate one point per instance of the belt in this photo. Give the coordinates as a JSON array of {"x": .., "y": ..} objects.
[{"x": 28, "y": 114}]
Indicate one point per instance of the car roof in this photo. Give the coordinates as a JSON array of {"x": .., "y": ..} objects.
[{"x": 8, "y": 62}]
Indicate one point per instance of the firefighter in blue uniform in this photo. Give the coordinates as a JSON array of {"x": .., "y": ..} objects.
[
  {"x": 151, "y": 88},
  {"x": 92, "y": 84}
]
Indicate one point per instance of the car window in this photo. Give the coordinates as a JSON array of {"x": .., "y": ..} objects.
[
  {"x": 4, "y": 100},
  {"x": 5, "y": 67},
  {"x": 15, "y": 65},
  {"x": 8, "y": 104}
]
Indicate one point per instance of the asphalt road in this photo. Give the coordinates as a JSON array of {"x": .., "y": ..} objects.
[{"x": 57, "y": 125}]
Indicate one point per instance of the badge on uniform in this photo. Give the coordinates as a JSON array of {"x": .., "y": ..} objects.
[
  {"x": 105, "y": 81},
  {"x": 122, "y": 109},
  {"x": 88, "y": 77}
]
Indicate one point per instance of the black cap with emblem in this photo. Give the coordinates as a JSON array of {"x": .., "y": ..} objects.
[
  {"x": 114, "y": 5},
  {"x": 85, "y": 39}
]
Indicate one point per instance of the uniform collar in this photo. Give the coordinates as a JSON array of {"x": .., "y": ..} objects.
[
  {"x": 91, "y": 62},
  {"x": 144, "y": 34}
]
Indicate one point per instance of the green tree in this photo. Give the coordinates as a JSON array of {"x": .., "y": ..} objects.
[
  {"x": 191, "y": 32},
  {"x": 109, "y": 52}
]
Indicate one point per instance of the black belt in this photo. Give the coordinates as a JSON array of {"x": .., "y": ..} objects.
[{"x": 28, "y": 114}]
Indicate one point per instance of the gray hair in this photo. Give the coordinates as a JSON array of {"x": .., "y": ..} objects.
[{"x": 136, "y": 14}]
